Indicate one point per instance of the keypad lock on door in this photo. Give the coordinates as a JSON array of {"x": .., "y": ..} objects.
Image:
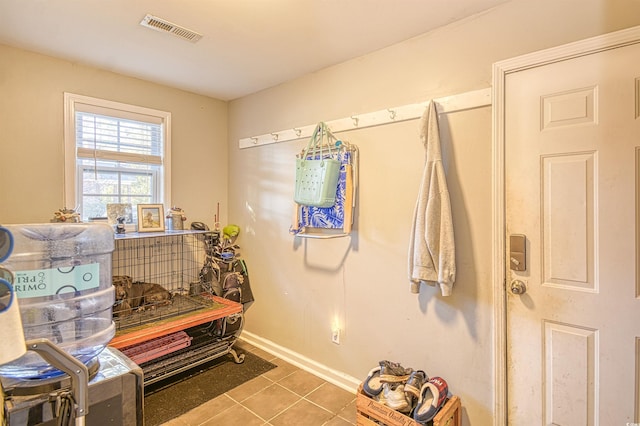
[{"x": 518, "y": 252}]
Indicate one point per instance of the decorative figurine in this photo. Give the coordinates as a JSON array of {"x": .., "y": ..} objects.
[
  {"x": 66, "y": 215},
  {"x": 120, "y": 229}
]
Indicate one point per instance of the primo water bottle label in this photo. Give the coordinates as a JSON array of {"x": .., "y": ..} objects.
[{"x": 50, "y": 282}]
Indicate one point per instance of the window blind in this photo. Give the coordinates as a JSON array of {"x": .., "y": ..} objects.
[{"x": 118, "y": 138}]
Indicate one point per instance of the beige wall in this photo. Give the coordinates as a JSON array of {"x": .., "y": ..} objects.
[
  {"x": 32, "y": 144},
  {"x": 301, "y": 287}
]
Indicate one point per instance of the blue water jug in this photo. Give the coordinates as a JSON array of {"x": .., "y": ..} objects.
[{"x": 62, "y": 278}]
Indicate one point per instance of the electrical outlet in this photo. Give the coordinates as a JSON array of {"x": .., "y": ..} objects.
[{"x": 335, "y": 336}]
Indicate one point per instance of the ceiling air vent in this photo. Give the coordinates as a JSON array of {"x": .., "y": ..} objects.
[{"x": 164, "y": 26}]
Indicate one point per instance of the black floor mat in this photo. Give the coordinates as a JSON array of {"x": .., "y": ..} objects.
[{"x": 175, "y": 396}]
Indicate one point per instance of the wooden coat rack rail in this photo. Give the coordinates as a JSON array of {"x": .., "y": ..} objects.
[{"x": 459, "y": 102}]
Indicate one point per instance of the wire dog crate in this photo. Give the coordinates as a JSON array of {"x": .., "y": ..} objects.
[
  {"x": 165, "y": 318},
  {"x": 173, "y": 261}
]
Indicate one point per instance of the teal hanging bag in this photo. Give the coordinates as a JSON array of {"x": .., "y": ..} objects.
[{"x": 317, "y": 171}]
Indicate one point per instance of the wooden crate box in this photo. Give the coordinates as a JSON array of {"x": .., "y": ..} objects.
[{"x": 371, "y": 413}]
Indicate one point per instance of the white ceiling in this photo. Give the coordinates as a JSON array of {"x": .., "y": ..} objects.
[{"x": 247, "y": 45}]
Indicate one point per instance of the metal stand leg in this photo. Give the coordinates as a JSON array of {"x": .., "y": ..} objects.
[
  {"x": 238, "y": 358},
  {"x": 76, "y": 370}
]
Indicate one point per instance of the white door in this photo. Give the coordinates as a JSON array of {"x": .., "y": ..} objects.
[{"x": 572, "y": 165}]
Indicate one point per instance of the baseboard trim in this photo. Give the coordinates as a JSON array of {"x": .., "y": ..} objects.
[{"x": 332, "y": 376}]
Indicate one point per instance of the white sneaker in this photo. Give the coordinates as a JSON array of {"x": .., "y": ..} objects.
[
  {"x": 381, "y": 398},
  {"x": 395, "y": 398}
]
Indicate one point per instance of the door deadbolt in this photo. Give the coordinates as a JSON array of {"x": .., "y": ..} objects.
[{"x": 518, "y": 287}]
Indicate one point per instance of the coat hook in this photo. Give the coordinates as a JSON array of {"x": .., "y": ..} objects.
[
  {"x": 392, "y": 114},
  {"x": 355, "y": 120},
  {"x": 254, "y": 140},
  {"x": 275, "y": 137},
  {"x": 298, "y": 131}
]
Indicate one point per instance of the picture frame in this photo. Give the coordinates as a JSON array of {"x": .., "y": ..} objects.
[
  {"x": 150, "y": 218},
  {"x": 116, "y": 210}
]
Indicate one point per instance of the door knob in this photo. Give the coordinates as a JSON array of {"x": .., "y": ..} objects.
[{"x": 518, "y": 287}]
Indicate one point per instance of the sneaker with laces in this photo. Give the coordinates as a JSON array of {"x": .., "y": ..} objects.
[
  {"x": 414, "y": 384},
  {"x": 381, "y": 398},
  {"x": 393, "y": 372},
  {"x": 395, "y": 398}
]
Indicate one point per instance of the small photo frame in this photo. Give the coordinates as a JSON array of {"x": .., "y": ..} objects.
[
  {"x": 150, "y": 218},
  {"x": 116, "y": 210}
]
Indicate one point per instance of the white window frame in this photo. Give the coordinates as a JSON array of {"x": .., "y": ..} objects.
[
  {"x": 72, "y": 102},
  {"x": 155, "y": 195}
]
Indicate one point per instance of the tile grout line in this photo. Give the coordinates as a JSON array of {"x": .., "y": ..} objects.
[
  {"x": 301, "y": 397},
  {"x": 285, "y": 409},
  {"x": 253, "y": 394},
  {"x": 271, "y": 382},
  {"x": 219, "y": 412},
  {"x": 304, "y": 397}
]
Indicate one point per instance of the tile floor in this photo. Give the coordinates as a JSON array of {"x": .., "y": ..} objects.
[{"x": 285, "y": 395}]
